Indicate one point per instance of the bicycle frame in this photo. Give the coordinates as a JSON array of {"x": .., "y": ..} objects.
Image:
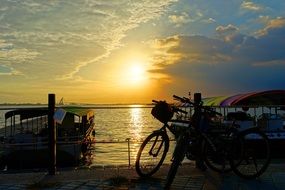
[{"x": 162, "y": 129}]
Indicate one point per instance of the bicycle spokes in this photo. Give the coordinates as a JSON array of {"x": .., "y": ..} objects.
[
  {"x": 254, "y": 157},
  {"x": 152, "y": 153},
  {"x": 156, "y": 146}
]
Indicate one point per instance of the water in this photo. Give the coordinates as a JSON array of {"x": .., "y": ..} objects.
[{"x": 114, "y": 125}]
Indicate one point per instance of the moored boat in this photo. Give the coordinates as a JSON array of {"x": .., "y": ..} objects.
[
  {"x": 264, "y": 110},
  {"x": 24, "y": 140}
]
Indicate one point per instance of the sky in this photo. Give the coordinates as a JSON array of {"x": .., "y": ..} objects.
[{"x": 133, "y": 51}]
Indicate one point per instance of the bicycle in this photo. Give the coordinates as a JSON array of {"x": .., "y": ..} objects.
[
  {"x": 236, "y": 151},
  {"x": 239, "y": 156},
  {"x": 154, "y": 148}
]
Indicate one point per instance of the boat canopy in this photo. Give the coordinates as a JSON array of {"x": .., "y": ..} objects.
[
  {"x": 26, "y": 113},
  {"x": 80, "y": 111},
  {"x": 262, "y": 98}
]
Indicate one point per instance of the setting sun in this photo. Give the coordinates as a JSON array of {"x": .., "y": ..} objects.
[
  {"x": 137, "y": 73},
  {"x": 135, "y": 51}
]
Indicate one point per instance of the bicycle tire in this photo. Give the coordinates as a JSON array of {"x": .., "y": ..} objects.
[
  {"x": 217, "y": 158},
  {"x": 143, "y": 166},
  {"x": 255, "y": 154},
  {"x": 178, "y": 156}
]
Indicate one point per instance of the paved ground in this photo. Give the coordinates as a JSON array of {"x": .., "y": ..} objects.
[{"x": 188, "y": 177}]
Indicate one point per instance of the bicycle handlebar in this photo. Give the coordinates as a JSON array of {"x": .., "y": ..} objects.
[
  {"x": 175, "y": 109},
  {"x": 183, "y": 100},
  {"x": 187, "y": 100}
]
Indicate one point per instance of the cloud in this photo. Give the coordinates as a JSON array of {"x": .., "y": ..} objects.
[
  {"x": 68, "y": 35},
  {"x": 11, "y": 56},
  {"x": 271, "y": 25},
  {"x": 4, "y": 70},
  {"x": 234, "y": 61},
  {"x": 210, "y": 20},
  {"x": 179, "y": 19},
  {"x": 263, "y": 19},
  {"x": 270, "y": 63},
  {"x": 229, "y": 33},
  {"x": 19, "y": 55},
  {"x": 8, "y": 71},
  {"x": 248, "y": 5},
  {"x": 226, "y": 29},
  {"x": 233, "y": 47}
]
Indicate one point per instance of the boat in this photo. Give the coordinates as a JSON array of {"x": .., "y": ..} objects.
[
  {"x": 263, "y": 109},
  {"x": 24, "y": 138}
]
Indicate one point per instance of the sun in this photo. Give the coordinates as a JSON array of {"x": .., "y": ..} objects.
[
  {"x": 132, "y": 73},
  {"x": 135, "y": 72}
]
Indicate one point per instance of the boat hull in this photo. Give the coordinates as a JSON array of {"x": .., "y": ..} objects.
[{"x": 27, "y": 156}]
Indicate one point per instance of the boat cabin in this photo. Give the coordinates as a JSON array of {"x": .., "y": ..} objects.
[
  {"x": 263, "y": 109},
  {"x": 26, "y": 134},
  {"x": 34, "y": 121}
]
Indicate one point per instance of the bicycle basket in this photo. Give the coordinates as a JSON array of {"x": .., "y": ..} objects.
[{"x": 162, "y": 111}]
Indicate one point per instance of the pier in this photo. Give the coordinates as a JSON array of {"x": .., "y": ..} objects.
[{"x": 188, "y": 177}]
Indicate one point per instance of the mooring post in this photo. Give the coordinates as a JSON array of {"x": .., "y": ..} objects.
[
  {"x": 197, "y": 98},
  {"x": 197, "y": 109},
  {"x": 52, "y": 134},
  {"x": 129, "y": 151}
]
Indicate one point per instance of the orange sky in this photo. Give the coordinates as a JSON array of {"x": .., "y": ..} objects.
[{"x": 135, "y": 51}]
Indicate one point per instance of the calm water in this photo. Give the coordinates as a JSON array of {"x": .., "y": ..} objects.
[
  {"x": 116, "y": 125},
  {"x": 113, "y": 127}
]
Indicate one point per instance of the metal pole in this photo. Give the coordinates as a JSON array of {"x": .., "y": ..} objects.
[
  {"x": 129, "y": 153},
  {"x": 197, "y": 98},
  {"x": 52, "y": 134}
]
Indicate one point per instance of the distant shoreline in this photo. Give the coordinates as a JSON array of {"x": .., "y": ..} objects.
[{"x": 85, "y": 106}]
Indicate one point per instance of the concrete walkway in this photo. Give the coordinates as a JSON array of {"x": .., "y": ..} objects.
[{"x": 188, "y": 177}]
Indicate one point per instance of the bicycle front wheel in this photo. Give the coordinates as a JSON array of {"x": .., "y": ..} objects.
[
  {"x": 178, "y": 156},
  {"x": 152, "y": 153},
  {"x": 253, "y": 156}
]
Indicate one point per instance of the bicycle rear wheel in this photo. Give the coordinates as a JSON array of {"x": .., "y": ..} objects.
[
  {"x": 152, "y": 153},
  {"x": 217, "y": 157},
  {"x": 253, "y": 156}
]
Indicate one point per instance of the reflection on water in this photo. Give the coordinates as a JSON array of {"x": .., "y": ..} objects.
[
  {"x": 116, "y": 125},
  {"x": 136, "y": 120},
  {"x": 136, "y": 129}
]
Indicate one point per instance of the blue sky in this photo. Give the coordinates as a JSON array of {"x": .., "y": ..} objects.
[{"x": 126, "y": 51}]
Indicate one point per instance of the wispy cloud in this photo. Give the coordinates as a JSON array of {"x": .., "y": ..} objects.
[
  {"x": 179, "y": 19},
  {"x": 226, "y": 29},
  {"x": 11, "y": 57},
  {"x": 248, "y": 5},
  {"x": 271, "y": 24},
  {"x": 79, "y": 26},
  {"x": 210, "y": 20}
]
